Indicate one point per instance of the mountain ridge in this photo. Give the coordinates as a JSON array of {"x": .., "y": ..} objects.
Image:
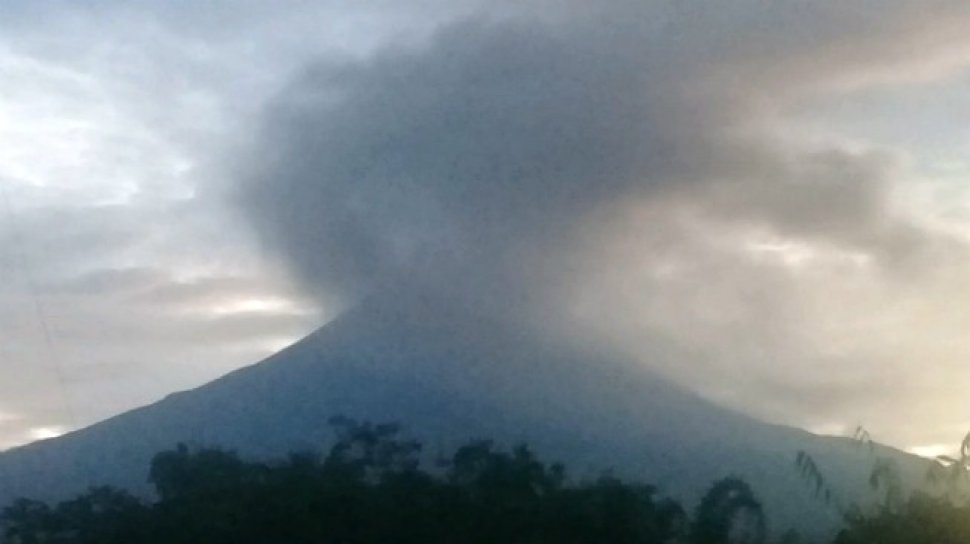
[{"x": 451, "y": 374}]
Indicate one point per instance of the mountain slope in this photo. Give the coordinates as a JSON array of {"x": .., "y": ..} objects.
[{"x": 450, "y": 376}]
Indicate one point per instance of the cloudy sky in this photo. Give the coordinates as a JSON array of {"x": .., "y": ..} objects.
[{"x": 778, "y": 190}]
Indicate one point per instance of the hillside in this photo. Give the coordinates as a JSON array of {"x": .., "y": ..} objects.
[{"x": 450, "y": 375}]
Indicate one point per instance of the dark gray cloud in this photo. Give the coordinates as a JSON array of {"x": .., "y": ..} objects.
[
  {"x": 471, "y": 160},
  {"x": 451, "y": 161}
]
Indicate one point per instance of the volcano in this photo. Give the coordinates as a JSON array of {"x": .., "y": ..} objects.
[{"x": 449, "y": 374}]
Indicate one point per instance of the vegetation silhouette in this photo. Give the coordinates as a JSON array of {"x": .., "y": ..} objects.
[
  {"x": 371, "y": 487},
  {"x": 729, "y": 512},
  {"x": 939, "y": 514}
]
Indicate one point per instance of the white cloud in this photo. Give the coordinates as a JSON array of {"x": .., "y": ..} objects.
[{"x": 42, "y": 433}]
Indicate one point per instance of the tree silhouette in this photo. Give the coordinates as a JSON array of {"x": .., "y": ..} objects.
[
  {"x": 728, "y": 513},
  {"x": 368, "y": 488},
  {"x": 952, "y": 472},
  {"x": 920, "y": 519},
  {"x": 28, "y": 521},
  {"x": 943, "y": 518}
]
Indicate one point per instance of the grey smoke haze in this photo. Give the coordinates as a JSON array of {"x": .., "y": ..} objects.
[
  {"x": 473, "y": 161},
  {"x": 456, "y": 164}
]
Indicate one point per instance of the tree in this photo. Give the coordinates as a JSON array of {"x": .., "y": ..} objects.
[
  {"x": 28, "y": 521},
  {"x": 103, "y": 515},
  {"x": 728, "y": 513},
  {"x": 369, "y": 488},
  {"x": 921, "y": 518},
  {"x": 943, "y": 518}
]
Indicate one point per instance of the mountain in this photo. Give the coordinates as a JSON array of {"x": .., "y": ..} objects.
[{"x": 450, "y": 375}]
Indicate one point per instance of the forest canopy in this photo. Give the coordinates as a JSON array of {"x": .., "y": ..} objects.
[{"x": 372, "y": 487}]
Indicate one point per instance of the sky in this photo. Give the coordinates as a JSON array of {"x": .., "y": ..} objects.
[{"x": 768, "y": 202}]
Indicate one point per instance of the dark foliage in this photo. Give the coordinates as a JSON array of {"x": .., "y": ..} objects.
[
  {"x": 920, "y": 519},
  {"x": 372, "y": 488},
  {"x": 369, "y": 488},
  {"x": 729, "y": 512}
]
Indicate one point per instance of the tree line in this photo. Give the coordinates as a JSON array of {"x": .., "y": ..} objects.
[{"x": 372, "y": 487}]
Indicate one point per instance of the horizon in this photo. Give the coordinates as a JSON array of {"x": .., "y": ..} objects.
[{"x": 777, "y": 196}]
